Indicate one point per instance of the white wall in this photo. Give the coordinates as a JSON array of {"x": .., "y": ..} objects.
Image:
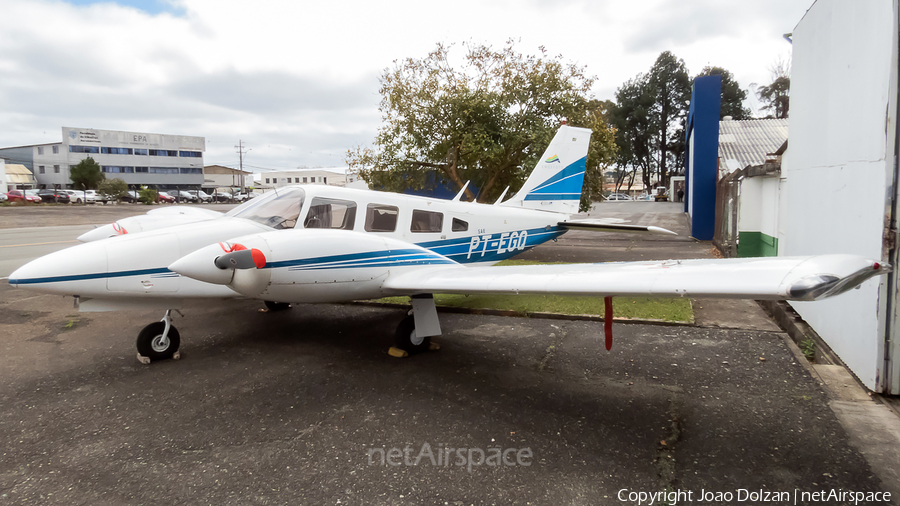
[
  {"x": 836, "y": 163},
  {"x": 3, "y": 186}
]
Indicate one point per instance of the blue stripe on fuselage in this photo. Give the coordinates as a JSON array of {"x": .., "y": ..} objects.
[{"x": 459, "y": 250}]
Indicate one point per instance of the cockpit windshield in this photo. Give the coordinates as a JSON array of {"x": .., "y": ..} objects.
[{"x": 277, "y": 210}]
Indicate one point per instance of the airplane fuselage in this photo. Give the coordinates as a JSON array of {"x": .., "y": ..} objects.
[{"x": 338, "y": 243}]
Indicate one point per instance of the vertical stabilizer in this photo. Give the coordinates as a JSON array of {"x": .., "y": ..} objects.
[{"x": 555, "y": 183}]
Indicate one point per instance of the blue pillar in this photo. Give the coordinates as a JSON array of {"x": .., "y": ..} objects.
[{"x": 701, "y": 159}]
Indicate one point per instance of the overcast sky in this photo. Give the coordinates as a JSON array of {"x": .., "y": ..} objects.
[{"x": 297, "y": 81}]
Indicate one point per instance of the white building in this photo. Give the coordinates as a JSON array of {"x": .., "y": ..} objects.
[
  {"x": 840, "y": 175},
  {"x": 157, "y": 160},
  {"x": 337, "y": 176}
]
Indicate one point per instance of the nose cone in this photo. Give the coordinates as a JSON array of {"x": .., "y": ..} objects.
[
  {"x": 201, "y": 265},
  {"x": 79, "y": 270}
]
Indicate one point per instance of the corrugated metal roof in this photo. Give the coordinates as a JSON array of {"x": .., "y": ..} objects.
[
  {"x": 18, "y": 174},
  {"x": 749, "y": 141}
]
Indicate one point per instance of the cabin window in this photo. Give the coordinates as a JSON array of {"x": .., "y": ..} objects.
[
  {"x": 426, "y": 221},
  {"x": 274, "y": 209},
  {"x": 331, "y": 213},
  {"x": 381, "y": 218},
  {"x": 459, "y": 225}
]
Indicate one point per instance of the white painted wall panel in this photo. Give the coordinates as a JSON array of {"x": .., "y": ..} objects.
[{"x": 835, "y": 190}]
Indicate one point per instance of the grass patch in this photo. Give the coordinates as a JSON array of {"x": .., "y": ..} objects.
[{"x": 644, "y": 308}]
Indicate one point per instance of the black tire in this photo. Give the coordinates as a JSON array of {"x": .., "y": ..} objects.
[
  {"x": 405, "y": 337},
  {"x": 148, "y": 343},
  {"x": 277, "y": 306}
]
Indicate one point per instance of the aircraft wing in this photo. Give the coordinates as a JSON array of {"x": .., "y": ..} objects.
[{"x": 774, "y": 278}]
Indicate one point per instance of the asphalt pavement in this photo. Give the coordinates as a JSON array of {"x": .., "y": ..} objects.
[{"x": 306, "y": 406}]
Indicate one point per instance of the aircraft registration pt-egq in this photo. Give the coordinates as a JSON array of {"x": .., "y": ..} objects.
[{"x": 319, "y": 244}]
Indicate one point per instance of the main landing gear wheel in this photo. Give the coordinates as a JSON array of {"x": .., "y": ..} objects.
[
  {"x": 406, "y": 339},
  {"x": 277, "y": 306}
]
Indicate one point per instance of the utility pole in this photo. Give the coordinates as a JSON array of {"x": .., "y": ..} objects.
[{"x": 240, "y": 150}]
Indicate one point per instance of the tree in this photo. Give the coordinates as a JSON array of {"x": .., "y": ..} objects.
[
  {"x": 649, "y": 117},
  {"x": 86, "y": 175},
  {"x": 113, "y": 188},
  {"x": 634, "y": 130},
  {"x": 486, "y": 121},
  {"x": 670, "y": 87},
  {"x": 777, "y": 95},
  {"x": 732, "y": 95}
]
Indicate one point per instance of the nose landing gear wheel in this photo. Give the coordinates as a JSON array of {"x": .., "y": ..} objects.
[
  {"x": 406, "y": 339},
  {"x": 151, "y": 342}
]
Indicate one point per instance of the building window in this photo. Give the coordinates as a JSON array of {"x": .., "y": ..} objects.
[
  {"x": 115, "y": 169},
  {"x": 267, "y": 180},
  {"x": 163, "y": 152},
  {"x": 115, "y": 151},
  {"x": 40, "y": 169},
  {"x": 140, "y": 151},
  {"x": 191, "y": 171},
  {"x": 426, "y": 221},
  {"x": 40, "y": 150},
  {"x": 84, "y": 149},
  {"x": 55, "y": 150},
  {"x": 304, "y": 180},
  {"x": 56, "y": 169},
  {"x": 381, "y": 218},
  {"x": 142, "y": 169},
  {"x": 163, "y": 170},
  {"x": 459, "y": 225},
  {"x": 325, "y": 180},
  {"x": 190, "y": 154}
]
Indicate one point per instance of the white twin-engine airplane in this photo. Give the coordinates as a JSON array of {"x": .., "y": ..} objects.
[{"x": 327, "y": 244}]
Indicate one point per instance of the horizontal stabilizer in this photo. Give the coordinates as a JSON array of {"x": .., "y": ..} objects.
[{"x": 602, "y": 226}]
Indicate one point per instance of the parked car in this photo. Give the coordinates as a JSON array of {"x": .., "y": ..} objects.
[
  {"x": 183, "y": 196},
  {"x": 34, "y": 193},
  {"x": 55, "y": 196},
  {"x": 3, "y": 197},
  {"x": 618, "y": 196},
  {"x": 201, "y": 195},
  {"x": 131, "y": 196},
  {"x": 164, "y": 197},
  {"x": 21, "y": 196},
  {"x": 93, "y": 196},
  {"x": 78, "y": 197}
]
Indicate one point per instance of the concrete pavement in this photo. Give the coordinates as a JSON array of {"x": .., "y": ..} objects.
[{"x": 293, "y": 407}]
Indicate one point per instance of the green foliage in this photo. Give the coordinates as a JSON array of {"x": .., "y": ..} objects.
[
  {"x": 113, "y": 188},
  {"x": 486, "y": 120},
  {"x": 776, "y": 97},
  {"x": 732, "y": 95},
  {"x": 649, "y": 118},
  {"x": 808, "y": 347},
  {"x": 86, "y": 175},
  {"x": 148, "y": 195}
]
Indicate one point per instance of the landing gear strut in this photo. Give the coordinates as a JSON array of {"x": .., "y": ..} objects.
[
  {"x": 158, "y": 341},
  {"x": 414, "y": 333}
]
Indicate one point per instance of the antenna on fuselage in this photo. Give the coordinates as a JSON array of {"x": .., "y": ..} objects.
[
  {"x": 501, "y": 196},
  {"x": 460, "y": 194}
]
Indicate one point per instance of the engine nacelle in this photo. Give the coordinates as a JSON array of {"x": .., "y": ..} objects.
[{"x": 305, "y": 265}]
